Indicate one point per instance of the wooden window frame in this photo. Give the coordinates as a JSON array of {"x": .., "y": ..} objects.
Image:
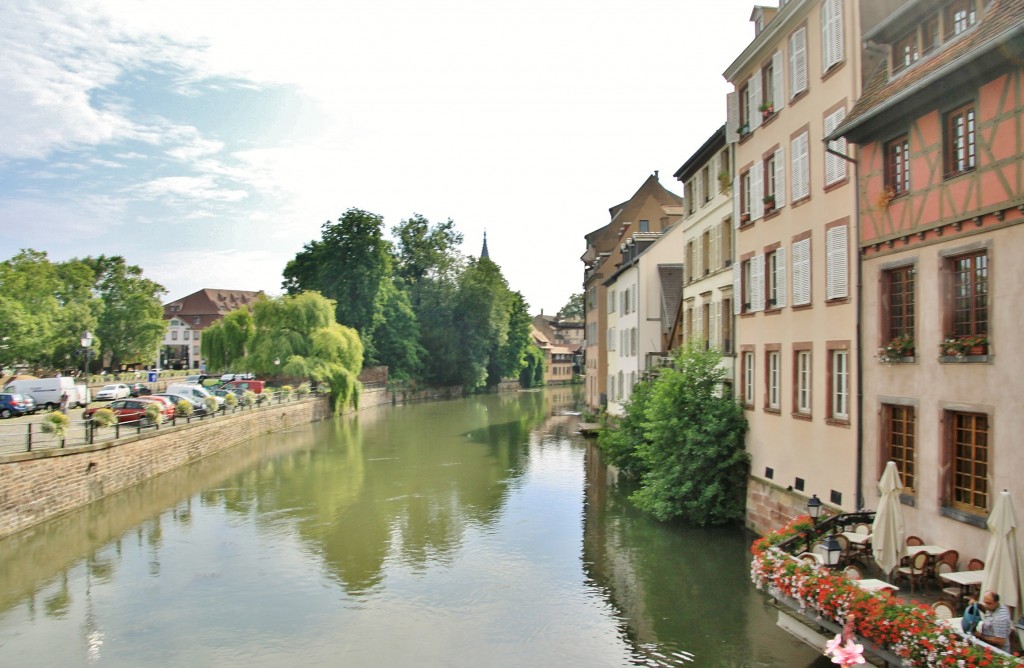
[
  {"x": 899, "y": 301},
  {"x": 897, "y": 166},
  {"x": 960, "y": 131},
  {"x": 899, "y": 442},
  {"x": 969, "y": 454},
  {"x": 803, "y": 380},
  {"x": 969, "y": 309}
]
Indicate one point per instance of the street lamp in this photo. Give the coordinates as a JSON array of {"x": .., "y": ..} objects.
[
  {"x": 814, "y": 507},
  {"x": 86, "y": 342},
  {"x": 832, "y": 550}
]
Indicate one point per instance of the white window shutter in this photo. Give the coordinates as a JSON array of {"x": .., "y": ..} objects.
[
  {"x": 754, "y": 101},
  {"x": 757, "y": 191},
  {"x": 778, "y": 77},
  {"x": 797, "y": 62},
  {"x": 801, "y": 168},
  {"x": 835, "y": 167},
  {"x": 716, "y": 308},
  {"x": 802, "y": 272},
  {"x": 736, "y": 202},
  {"x": 837, "y": 281},
  {"x": 758, "y": 283},
  {"x": 737, "y": 290},
  {"x": 780, "y": 277},
  {"x": 716, "y": 247},
  {"x": 780, "y": 178},
  {"x": 732, "y": 115},
  {"x": 831, "y": 33},
  {"x": 698, "y": 317}
]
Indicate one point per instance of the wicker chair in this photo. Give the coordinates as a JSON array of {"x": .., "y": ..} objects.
[
  {"x": 916, "y": 571},
  {"x": 975, "y": 565},
  {"x": 852, "y": 572},
  {"x": 943, "y": 610}
]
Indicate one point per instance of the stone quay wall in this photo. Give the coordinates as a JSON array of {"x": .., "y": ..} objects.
[{"x": 42, "y": 484}]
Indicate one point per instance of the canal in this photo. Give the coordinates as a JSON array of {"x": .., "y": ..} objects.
[{"x": 475, "y": 532}]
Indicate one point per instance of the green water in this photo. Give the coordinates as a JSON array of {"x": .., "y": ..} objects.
[{"x": 477, "y": 532}]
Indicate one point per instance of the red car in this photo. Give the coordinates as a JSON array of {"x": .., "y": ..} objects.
[
  {"x": 127, "y": 410},
  {"x": 166, "y": 405}
]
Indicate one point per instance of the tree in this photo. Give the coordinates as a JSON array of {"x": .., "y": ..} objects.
[
  {"x": 348, "y": 265},
  {"x": 396, "y": 333},
  {"x": 225, "y": 342},
  {"x": 300, "y": 332},
  {"x": 426, "y": 253},
  {"x": 532, "y": 374},
  {"x": 132, "y": 323},
  {"x": 573, "y": 309},
  {"x": 621, "y": 444},
  {"x": 692, "y": 450},
  {"x": 510, "y": 358}
]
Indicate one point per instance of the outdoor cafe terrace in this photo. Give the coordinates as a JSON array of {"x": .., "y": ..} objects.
[{"x": 824, "y": 575}]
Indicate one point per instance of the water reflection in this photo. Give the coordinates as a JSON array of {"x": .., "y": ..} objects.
[{"x": 469, "y": 532}]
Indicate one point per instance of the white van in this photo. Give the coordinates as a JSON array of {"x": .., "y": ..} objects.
[
  {"x": 46, "y": 392},
  {"x": 197, "y": 392}
]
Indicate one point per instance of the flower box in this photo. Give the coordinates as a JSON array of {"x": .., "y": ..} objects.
[{"x": 962, "y": 346}]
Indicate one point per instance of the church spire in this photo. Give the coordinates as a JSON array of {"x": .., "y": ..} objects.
[{"x": 483, "y": 252}]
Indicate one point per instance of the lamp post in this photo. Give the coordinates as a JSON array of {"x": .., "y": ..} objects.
[
  {"x": 814, "y": 507},
  {"x": 832, "y": 550},
  {"x": 86, "y": 342}
]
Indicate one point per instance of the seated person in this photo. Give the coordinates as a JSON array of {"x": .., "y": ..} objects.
[{"x": 996, "y": 623}]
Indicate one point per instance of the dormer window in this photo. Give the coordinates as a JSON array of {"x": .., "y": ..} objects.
[
  {"x": 923, "y": 38},
  {"x": 959, "y": 16}
]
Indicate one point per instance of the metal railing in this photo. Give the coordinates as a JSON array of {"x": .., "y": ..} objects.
[{"x": 19, "y": 434}]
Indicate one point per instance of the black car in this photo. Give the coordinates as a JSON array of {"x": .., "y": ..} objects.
[{"x": 140, "y": 389}]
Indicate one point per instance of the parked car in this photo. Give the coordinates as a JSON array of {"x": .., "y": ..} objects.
[
  {"x": 197, "y": 406},
  {"x": 139, "y": 389},
  {"x": 16, "y": 404},
  {"x": 112, "y": 392},
  {"x": 46, "y": 392},
  {"x": 197, "y": 392},
  {"x": 223, "y": 392},
  {"x": 166, "y": 405},
  {"x": 228, "y": 377},
  {"x": 198, "y": 378},
  {"x": 253, "y": 385},
  {"x": 126, "y": 410}
]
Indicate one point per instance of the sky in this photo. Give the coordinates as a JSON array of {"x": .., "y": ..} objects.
[{"x": 208, "y": 140}]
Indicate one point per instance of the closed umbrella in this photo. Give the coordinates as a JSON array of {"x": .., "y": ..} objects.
[
  {"x": 1003, "y": 573},
  {"x": 887, "y": 529}
]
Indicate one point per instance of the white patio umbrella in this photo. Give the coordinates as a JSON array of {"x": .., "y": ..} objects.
[
  {"x": 1003, "y": 573},
  {"x": 887, "y": 529}
]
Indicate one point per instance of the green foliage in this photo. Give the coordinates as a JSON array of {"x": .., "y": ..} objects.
[
  {"x": 230, "y": 400},
  {"x": 57, "y": 424},
  {"x": 694, "y": 453},
  {"x": 573, "y": 309},
  {"x": 622, "y": 443},
  {"x": 224, "y": 342},
  {"x": 211, "y": 405},
  {"x": 302, "y": 390},
  {"x": 154, "y": 415},
  {"x": 182, "y": 408},
  {"x": 396, "y": 333},
  {"x": 348, "y": 265},
  {"x": 532, "y": 374},
  {"x": 131, "y": 324},
  {"x": 248, "y": 398},
  {"x": 685, "y": 441},
  {"x": 104, "y": 417}
]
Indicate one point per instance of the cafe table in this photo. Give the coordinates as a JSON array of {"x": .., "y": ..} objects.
[
  {"x": 871, "y": 584},
  {"x": 965, "y": 580}
]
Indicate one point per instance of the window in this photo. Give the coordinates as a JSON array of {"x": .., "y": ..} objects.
[
  {"x": 802, "y": 272},
  {"x": 836, "y": 262},
  {"x": 611, "y": 301},
  {"x": 831, "y": 33},
  {"x": 775, "y": 278},
  {"x": 769, "y": 183},
  {"x": 195, "y": 321},
  {"x": 723, "y": 169},
  {"x": 969, "y": 454},
  {"x": 748, "y": 378},
  {"x": 897, "y": 166},
  {"x": 904, "y": 52},
  {"x": 645, "y": 226},
  {"x": 726, "y": 325},
  {"x": 960, "y": 140},
  {"x": 803, "y": 382},
  {"x": 899, "y": 441},
  {"x": 930, "y": 35},
  {"x": 726, "y": 244},
  {"x": 970, "y": 294},
  {"x": 767, "y": 100},
  {"x": 633, "y": 341},
  {"x": 745, "y": 109},
  {"x": 705, "y": 184},
  {"x": 839, "y": 380},
  {"x": 705, "y": 251},
  {"x": 774, "y": 380},
  {"x": 174, "y": 335},
  {"x": 611, "y": 338},
  {"x": 705, "y": 327},
  {"x": 745, "y": 196},
  {"x": 898, "y": 298},
  {"x": 797, "y": 62},
  {"x": 195, "y": 350},
  {"x": 184, "y": 335},
  {"x": 960, "y": 15},
  {"x": 690, "y": 259},
  {"x": 835, "y": 166},
  {"x": 801, "y": 168}
]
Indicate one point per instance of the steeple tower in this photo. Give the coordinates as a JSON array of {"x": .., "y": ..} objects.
[{"x": 483, "y": 252}]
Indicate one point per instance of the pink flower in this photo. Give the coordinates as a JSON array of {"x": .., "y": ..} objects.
[
  {"x": 848, "y": 655},
  {"x": 835, "y": 644}
]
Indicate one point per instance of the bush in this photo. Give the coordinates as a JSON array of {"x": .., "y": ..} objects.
[
  {"x": 303, "y": 390},
  {"x": 56, "y": 423},
  {"x": 230, "y": 400},
  {"x": 211, "y": 405},
  {"x": 286, "y": 392},
  {"x": 183, "y": 408},
  {"x": 104, "y": 417},
  {"x": 249, "y": 398},
  {"x": 154, "y": 414}
]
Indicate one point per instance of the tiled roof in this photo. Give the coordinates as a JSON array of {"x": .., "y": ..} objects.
[{"x": 1004, "y": 18}]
